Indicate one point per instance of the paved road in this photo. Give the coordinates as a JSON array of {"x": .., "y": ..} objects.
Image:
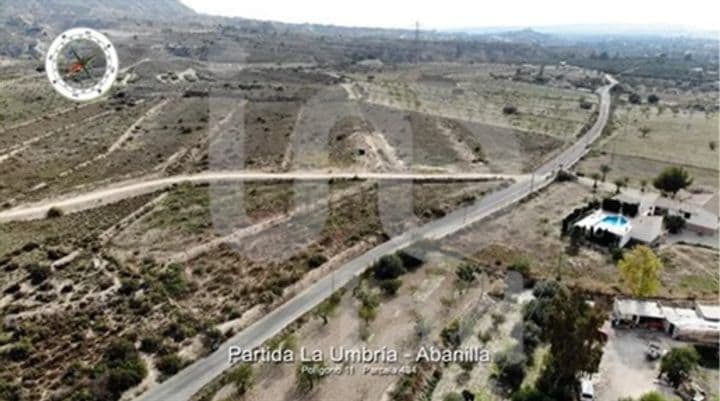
[
  {"x": 191, "y": 379},
  {"x": 125, "y": 190}
]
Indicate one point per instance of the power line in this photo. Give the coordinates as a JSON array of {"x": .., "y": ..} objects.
[{"x": 417, "y": 41}]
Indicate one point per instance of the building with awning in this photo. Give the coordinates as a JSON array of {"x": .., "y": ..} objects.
[{"x": 699, "y": 323}]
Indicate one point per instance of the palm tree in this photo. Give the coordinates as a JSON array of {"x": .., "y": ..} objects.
[{"x": 604, "y": 169}]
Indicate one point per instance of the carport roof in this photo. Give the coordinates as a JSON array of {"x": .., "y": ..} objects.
[
  {"x": 630, "y": 307},
  {"x": 709, "y": 312}
]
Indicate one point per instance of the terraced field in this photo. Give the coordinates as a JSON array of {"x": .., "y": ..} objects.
[{"x": 539, "y": 109}]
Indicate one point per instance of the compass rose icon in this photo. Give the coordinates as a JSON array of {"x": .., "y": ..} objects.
[{"x": 82, "y": 64}]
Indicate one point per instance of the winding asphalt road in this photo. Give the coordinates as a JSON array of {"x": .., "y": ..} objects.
[{"x": 190, "y": 380}]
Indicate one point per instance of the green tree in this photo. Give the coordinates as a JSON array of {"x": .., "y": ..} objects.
[
  {"x": 575, "y": 343},
  {"x": 679, "y": 363},
  {"x": 328, "y": 307},
  {"x": 308, "y": 374},
  {"x": 453, "y": 397},
  {"x": 577, "y": 239},
  {"x": 604, "y": 170},
  {"x": 644, "y": 131},
  {"x": 619, "y": 183},
  {"x": 243, "y": 378},
  {"x": 595, "y": 177},
  {"x": 652, "y": 396},
  {"x": 367, "y": 313},
  {"x": 674, "y": 223},
  {"x": 673, "y": 179},
  {"x": 530, "y": 394},
  {"x": 640, "y": 271},
  {"x": 510, "y": 369},
  {"x": 389, "y": 267}
]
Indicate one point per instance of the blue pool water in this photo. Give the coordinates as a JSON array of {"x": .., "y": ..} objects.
[{"x": 615, "y": 220}]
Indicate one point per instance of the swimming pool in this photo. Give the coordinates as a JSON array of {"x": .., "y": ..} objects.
[{"x": 615, "y": 220}]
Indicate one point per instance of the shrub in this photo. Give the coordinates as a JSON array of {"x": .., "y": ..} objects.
[
  {"x": 389, "y": 267},
  {"x": 509, "y": 109},
  {"x": 179, "y": 331},
  {"x": 316, "y": 260},
  {"x": 410, "y": 262},
  {"x": 38, "y": 272},
  {"x": 391, "y": 287},
  {"x": 170, "y": 364},
  {"x": 123, "y": 367},
  {"x": 54, "y": 212},
  {"x": 308, "y": 374},
  {"x": 530, "y": 394},
  {"x": 520, "y": 265},
  {"x": 497, "y": 319},
  {"x": 617, "y": 254},
  {"x": 634, "y": 98},
  {"x": 18, "y": 352},
  {"x": 652, "y": 396},
  {"x": 124, "y": 377},
  {"x": 150, "y": 344},
  {"x": 678, "y": 363},
  {"x": 212, "y": 338},
  {"x": 466, "y": 272},
  {"x": 511, "y": 369},
  {"x": 611, "y": 205},
  {"x": 674, "y": 223},
  {"x": 242, "y": 378},
  {"x": 173, "y": 281},
  {"x": 565, "y": 176},
  {"x": 451, "y": 335},
  {"x": 9, "y": 392},
  {"x": 653, "y": 98},
  {"x": 453, "y": 397},
  {"x": 367, "y": 313}
]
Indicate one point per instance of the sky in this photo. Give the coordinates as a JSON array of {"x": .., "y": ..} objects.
[{"x": 454, "y": 14}]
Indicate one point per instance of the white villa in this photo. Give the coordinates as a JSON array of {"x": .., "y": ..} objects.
[{"x": 646, "y": 226}]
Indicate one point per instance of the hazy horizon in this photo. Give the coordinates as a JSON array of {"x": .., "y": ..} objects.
[{"x": 465, "y": 14}]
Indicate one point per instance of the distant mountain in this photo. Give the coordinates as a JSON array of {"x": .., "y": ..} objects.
[
  {"x": 588, "y": 32},
  {"x": 71, "y": 11},
  {"x": 528, "y": 36}
]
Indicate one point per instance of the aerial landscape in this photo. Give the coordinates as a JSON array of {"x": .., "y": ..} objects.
[{"x": 226, "y": 208}]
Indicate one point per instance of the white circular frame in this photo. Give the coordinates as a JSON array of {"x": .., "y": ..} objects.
[{"x": 56, "y": 77}]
